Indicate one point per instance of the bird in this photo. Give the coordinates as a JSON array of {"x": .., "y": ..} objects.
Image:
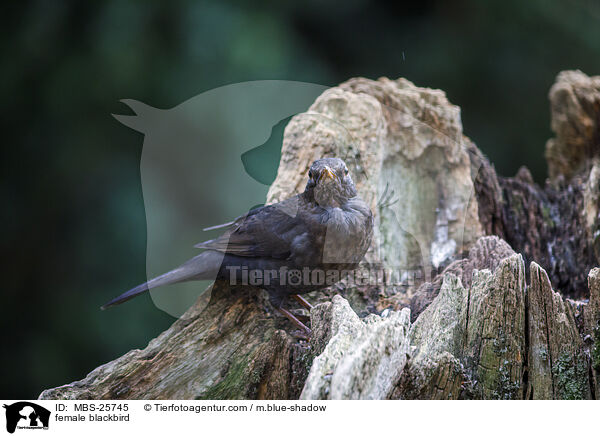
[{"x": 301, "y": 244}]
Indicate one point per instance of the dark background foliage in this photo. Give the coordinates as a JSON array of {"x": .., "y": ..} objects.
[{"x": 73, "y": 224}]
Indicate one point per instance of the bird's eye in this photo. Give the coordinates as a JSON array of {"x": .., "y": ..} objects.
[
  {"x": 346, "y": 171},
  {"x": 310, "y": 174}
]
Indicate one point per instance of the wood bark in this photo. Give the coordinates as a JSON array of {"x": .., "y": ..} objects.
[{"x": 502, "y": 300}]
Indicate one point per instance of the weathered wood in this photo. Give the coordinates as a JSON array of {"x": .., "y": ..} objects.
[
  {"x": 558, "y": 225},
  {"x": 474, "y": 322},
  {"x": 470, "y": 342},
  {"x": 592, "y": 328},
  {"x": 362, "y": 358},
  {"x": 232, "y": 349},
  {"x": 437, "y": 338},
  {"x": 558, "y": 366}
]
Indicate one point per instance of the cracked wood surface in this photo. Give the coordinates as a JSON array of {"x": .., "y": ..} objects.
[{"x": 481, "y": 324}]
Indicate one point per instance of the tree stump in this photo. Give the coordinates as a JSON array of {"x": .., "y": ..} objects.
[{"x": 491, "y": 268}]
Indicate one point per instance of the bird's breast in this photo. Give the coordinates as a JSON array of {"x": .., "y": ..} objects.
[{"x": 346, "y": 237}]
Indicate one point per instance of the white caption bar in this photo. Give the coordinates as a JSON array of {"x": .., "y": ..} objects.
[{"x": 289, "y": 418}]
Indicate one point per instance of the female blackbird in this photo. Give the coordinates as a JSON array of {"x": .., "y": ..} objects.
[{"x": 304, "y": 243}]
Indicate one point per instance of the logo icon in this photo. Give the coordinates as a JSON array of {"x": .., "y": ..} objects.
[{"x": 26, "y": 415}]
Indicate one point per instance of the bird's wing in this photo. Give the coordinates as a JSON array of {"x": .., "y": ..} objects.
[
  {"x": 222, "y": 226},
  {"x": 267, "y": 231}
]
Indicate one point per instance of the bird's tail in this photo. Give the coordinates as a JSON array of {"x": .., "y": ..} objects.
[{"x": 205, "y": 266}]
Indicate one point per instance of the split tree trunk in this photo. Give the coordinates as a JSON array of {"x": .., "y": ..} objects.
[{"x": 486, "y": 266}]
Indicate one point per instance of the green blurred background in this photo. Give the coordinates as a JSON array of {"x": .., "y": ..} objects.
[{"x": 73, "y": 223}]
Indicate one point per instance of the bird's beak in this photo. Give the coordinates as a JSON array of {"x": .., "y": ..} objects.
[{"x": 327, "y": 174}]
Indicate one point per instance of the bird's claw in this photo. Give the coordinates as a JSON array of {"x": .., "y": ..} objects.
[{"x": 306, "y": 332}]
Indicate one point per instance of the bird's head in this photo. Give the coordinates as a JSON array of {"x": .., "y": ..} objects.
[{"x": 329, "y": 182}]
